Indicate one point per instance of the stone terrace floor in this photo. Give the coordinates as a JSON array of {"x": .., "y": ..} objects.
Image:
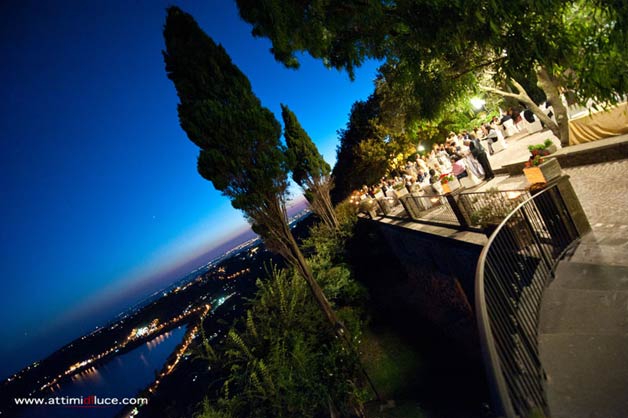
[{"x": 584, "y": 316}]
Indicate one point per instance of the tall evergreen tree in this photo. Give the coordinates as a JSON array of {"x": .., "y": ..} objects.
[
  {"x": 352, "y": 170},
  {"x": 309, "y": 169},
  {"x": 238, "y": 137}
]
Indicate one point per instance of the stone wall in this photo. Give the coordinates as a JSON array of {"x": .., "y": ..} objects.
[{"x": 424, "y": 276}]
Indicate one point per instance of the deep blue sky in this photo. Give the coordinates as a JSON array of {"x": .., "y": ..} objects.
[{"x": 99, "y": 193}]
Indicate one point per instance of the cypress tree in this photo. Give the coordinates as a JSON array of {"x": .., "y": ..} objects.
[
  {"x": 309, "y": 169},
  {"x": 240, "y": 152}
]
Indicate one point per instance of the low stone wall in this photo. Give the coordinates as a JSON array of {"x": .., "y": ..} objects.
[{"x": 604, "y": 150}]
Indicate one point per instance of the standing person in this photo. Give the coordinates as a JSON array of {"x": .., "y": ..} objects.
[{"x": 480, "y": 154}]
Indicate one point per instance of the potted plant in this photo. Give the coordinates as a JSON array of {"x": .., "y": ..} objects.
[
  {"x": 540, "y": 170},
  {"x": 550, "y": 146},
  {"x": 546, "y": 148},
  {"x": 448, "y": 183}
]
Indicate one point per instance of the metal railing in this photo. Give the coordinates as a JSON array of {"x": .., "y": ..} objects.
[
  {"x": 513, "y": 271},
  {"x": 435, "y": 208},
  {"x": 492, "y": 206},
  {"x": 457, "y": 209}
]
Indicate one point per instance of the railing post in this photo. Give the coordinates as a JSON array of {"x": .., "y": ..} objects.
[
  {"x": 461, "y": 215},
  {"x": 572, "y": 203},
  {"x": 404, "y": 203}
]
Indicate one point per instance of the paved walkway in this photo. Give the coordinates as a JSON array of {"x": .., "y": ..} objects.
[
  {"x": 518, "y": 148},
  {"x": 584, "y": 316}
]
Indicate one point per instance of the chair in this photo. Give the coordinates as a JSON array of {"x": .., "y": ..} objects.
[
  {"x": 438, "y": 188},
  {"x": 470, "y": 181},
  {"x": 510, "y": 128},
  {"x": 533, "y": 127},
  {"x": 500, "y": 134},
  {"x": 498, "y": 146},
  {"x": 400, "y": 193}
]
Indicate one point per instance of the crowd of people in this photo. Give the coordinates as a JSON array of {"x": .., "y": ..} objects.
[{"x": 462, "y": 155}]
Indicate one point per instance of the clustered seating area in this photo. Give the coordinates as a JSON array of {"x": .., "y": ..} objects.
[
  {"x": 513, "y": 122},
  {"x": 423, "y": 184}
]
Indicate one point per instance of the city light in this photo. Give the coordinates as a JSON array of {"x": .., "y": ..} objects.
[{"x": 137, "y": 333}]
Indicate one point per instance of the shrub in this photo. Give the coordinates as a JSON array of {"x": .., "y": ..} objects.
[{"x": 285, "y": 361}]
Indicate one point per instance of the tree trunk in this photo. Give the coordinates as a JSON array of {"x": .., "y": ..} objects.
[
  {"x": 523, "y": 97},
  {"x": 329, "y": 207},
  {"x": 548, "y": 84},
  {"x": 278, "y": 238},
  {"x": 304, "y": 270},
  {"x": 321, "y": 202}
]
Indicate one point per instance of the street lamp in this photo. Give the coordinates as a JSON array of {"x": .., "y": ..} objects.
[{"x": 477, "y": 103}]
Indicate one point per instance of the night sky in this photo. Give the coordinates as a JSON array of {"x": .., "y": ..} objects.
[{"x": 101, "y": 203}]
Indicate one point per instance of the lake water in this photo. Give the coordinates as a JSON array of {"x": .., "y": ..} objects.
[{"x": 121, "y": 377}]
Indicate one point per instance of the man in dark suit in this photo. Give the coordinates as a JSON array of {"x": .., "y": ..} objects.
[{"x": 477, "y": 150}]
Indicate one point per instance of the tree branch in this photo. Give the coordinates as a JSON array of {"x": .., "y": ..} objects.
[
  {"x": 477, "y": 66},
  {"x": 502, "y": 92}
]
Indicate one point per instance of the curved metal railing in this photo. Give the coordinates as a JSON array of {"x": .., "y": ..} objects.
[{"x": 513, "y": 271}]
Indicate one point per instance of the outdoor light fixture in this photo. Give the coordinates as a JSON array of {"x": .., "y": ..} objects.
[{"x": 477, "y": 103}]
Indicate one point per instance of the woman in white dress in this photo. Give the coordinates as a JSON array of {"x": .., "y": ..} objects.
[{"x": 472, "y": 164}]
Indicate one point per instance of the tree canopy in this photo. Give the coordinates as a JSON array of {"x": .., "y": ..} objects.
[
  {"x": 238, "y": 137},
  {"x": 350, "y": 171},
  {"x": 309, "y": 168},
  {"x": 305, "y": 162},
  {"x": 434, "y": 49}
]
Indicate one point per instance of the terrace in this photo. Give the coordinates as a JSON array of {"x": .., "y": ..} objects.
[{"x": 550, "y": 287}]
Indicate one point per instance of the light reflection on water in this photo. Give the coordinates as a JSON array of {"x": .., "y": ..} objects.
[{"x": 122, "y": 376}]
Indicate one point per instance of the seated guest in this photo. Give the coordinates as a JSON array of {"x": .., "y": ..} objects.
[
  {"x": 409, "y": 184},
  {"x": 507, "y": 116},
  {"x": 459, "y": 168},
  {"x": 384, "y": 186},
  {"x": 516, "y": 115},
  {"x": 434, "y": 177},
  {"x": 528, "y": 115},
  {"x": 453, "y": 152},
  {"x": 420, "y": 162}
]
